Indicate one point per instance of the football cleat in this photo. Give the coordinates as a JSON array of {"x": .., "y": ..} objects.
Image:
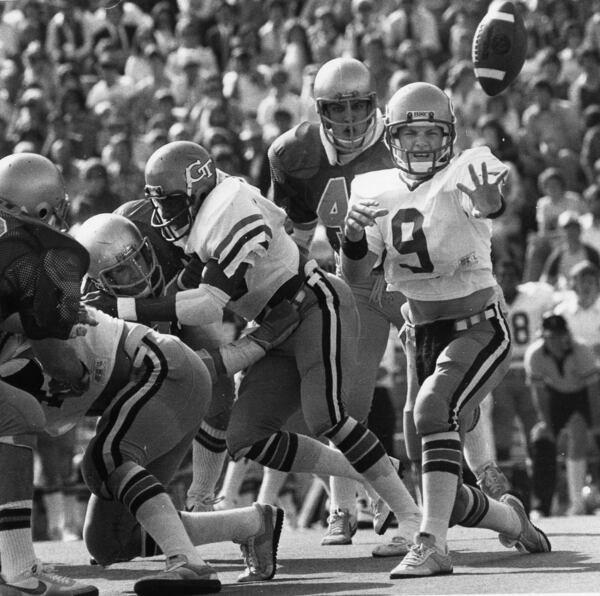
[
  {"x": 424, "y": 559},
  {"x": 342, "y": 525},
  {"x": 492, "y": 481},
  {"x": 180, "y": 579},
  {"x": 42, "y": 580},
  {"x": 530, "y": 539},
  {"x": 398, "y": 547},
  {"x": 260, "y": 551}
]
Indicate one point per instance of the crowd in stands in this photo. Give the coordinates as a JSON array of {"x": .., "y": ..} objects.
[{"x": 98, "y": 85}]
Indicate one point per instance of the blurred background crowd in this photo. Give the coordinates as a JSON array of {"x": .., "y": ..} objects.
[{"x": 98, "y": 85}]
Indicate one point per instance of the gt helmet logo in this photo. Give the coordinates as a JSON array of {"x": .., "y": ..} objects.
[{"x": 195, "y": 172}]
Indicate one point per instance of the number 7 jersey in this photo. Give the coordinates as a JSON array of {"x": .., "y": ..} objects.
[{"x": 435, "y": 248}]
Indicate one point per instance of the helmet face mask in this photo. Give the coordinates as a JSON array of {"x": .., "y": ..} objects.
[
  {"x": 346, "y": 103},
  {"x": 122, "y": 261},
  {"x": 420, "y": 129},
  {"x": 178, "y": 175}
]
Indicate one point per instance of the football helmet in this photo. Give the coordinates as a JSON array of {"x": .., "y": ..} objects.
[
  {"x": 341, "y": 83},
  {"x": 31, "y": 185},
  {"x": 179, "y": 175},
  {"x": 122, "y": 261},
  {"x": 420, "y": 103}
]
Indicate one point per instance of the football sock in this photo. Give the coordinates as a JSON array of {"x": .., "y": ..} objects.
[
  {"x": 16, "y": 543},
  {"x": 442, "y": 455},
  {"x": 217, "y": 526}
]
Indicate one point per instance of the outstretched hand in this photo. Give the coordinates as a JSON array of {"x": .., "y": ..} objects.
[
  {"x": 360, "y": 216},
  {"x": 485, "y": 196}
]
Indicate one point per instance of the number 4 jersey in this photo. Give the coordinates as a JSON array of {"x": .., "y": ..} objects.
[{"x": 435, "y": 248}]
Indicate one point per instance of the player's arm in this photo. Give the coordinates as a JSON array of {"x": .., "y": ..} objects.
[
  {"x": 357, "y": 260},
  {"x": 277, "y": 325}
]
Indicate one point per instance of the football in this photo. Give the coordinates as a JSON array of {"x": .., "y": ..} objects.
[{"x": 499, "y": 47}]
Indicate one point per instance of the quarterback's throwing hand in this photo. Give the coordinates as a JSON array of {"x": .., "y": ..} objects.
[
  {"x": 485, "y": 195},
  {"x": 360, "y": 216}
]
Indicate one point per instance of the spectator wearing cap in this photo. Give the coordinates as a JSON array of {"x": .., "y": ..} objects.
[
  {"x": 547, "y": 115},
  {"x": 580, "y": 306},
  {"x": 39, "y": 70},
  {"x": 31, "y": 115},
  {"x": 96, "y": 195},
  {"x": 279, "y": 96},
  {"x": 245, "y": 83},
  {"x": 187, "y": 87},
  {"x": 590, "y": 222},
  {"x": 568, "y": 253},
  {"x": 563, "y": 379},
  {"x": 60, "y": 152}
]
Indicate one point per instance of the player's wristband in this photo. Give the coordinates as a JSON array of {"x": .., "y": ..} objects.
[
  {"x": 355, "y": 250},
  {"x": 126, "y": 309},
  {"x": 500, "y": 211}
]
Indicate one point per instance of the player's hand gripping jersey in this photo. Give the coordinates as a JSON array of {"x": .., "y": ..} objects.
[
  {"x": 437, "y": 248},
  {"x": 243, "y": 231}
]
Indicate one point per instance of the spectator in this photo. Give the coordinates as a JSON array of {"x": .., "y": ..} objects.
[
  {"x": 562, "y": 377},
  {"x": 188, "y": 87},
  {"x": 326, "y": 40},
  {"x": 279, "y": 96},
  {"x": 460, "y": 50},
  {"x": 96, "y": 195},
  {"x": 296, "y": 52},
  {"x": 500, "y": 108},
  {"x": 126, "y": 179},
  {"x": 39, "y": 71},
  {"x": 111, "y": 31},
  {"x": 590, "y": 147},
  {"x": 245, "y": 84},
  {"x": 581, "y": 305},
  {"x": 111, "y": 86},
  {"x": 412, "y": 64},
  {"x": 272, "y": 33},
  {"x": 375, "y": 56},
  {"x": 585, "y": 90},
  {"x": 68, "y": 36},
  {"x": 413, "y": 20},
  {"x": 365, "y": 21},
  {"x": 568, "y": 253},
  {"x": 555, "y": 200},
  {"x": 590, "y": 222},
  {"x": 547, "y": 115},
  {"x": 571, "y": 39},
  {"x": 163, "y": 26},
  {"x": 61, "y": 154}
]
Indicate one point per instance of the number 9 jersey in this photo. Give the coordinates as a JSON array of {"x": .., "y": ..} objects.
[{"x": 435, "y": 248}]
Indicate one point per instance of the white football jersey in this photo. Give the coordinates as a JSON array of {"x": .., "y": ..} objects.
[
  {"x": 524, "y": 317},
  {"x": 236, "y": 225},
  {"x": 435, "y": 248}
]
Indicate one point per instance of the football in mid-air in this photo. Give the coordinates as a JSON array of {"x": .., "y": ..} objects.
[{"x": 499, "y": 47}]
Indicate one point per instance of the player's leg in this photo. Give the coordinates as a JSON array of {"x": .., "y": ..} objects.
[
  {"x": 21, "y": 420},
  {"x": 165, "y": 401},
  {"x": 455, "y": 380},
  {"x": 576, "y": 461}
]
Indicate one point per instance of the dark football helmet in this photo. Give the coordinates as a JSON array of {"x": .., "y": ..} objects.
[{"x": 179, "y": 175}]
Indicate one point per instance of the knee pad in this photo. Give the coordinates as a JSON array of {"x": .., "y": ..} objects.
[
  {"x": 111, "y": 534},
  {"x": 93, "y": 478}
]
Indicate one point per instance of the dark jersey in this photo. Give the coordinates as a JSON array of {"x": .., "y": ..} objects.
[
  {"x": 40, "y": 276},
  {"x": 308, "y": 187}
]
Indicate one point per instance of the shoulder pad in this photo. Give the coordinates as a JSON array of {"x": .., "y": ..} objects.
[{"x": 298, "y": 151}]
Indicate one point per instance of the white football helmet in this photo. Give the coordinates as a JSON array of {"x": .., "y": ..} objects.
[
  {"x": 122, "y": 261},
  {"x": 420, "y": 103},
  {"x": 178, "y": 175},
  {"x": 31, "y": 185},
  {"x": 340, "y": 82}
]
